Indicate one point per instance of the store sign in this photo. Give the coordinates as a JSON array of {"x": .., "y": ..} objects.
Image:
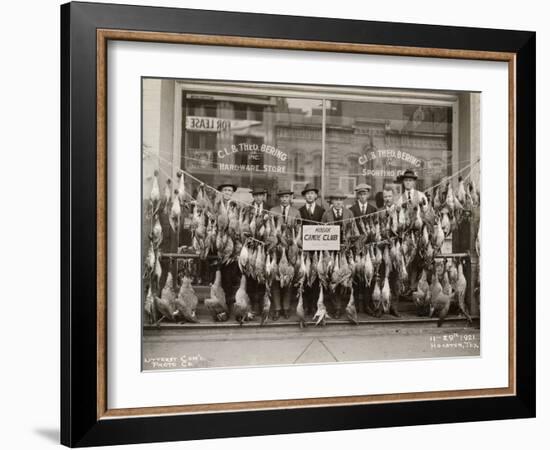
[
  {"x": 215, "y": 124},
  {"x": 388, "y": 159},
  {"x": 253, "y": 148},
  {"x": 321, "y": 237},
  {"x": 253, "y": 153}
]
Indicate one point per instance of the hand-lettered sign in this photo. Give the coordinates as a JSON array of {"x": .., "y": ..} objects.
[{"x": 321, "y": 237}]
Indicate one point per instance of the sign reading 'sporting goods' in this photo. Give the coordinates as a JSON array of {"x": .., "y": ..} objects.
[{"x": 321, "y": 237}]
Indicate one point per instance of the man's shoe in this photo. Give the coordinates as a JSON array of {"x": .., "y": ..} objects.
[
  {"x": 337, "y": 314},
  {"x": 394, "y": 312},
  {"x": 286, "y": 313},
  {"x": 369, "y": 311},
  {"x": 275, "y": 316}
]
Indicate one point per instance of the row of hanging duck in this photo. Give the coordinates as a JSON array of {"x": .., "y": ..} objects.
[{"x": 270, "y": 250}]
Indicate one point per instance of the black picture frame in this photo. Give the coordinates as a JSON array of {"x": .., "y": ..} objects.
[{"x": 80, "y": 425}]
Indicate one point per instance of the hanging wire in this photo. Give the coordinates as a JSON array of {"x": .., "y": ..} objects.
[{"x": 443, "y": 181}]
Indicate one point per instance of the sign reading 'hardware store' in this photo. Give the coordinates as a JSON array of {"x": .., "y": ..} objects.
[{"x": 321, "y": 237}]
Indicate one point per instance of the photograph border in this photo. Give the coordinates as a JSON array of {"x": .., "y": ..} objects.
[{"x": 86, "y": 29}]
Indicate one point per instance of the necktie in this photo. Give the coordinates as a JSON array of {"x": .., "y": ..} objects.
[
  {"x": 311, "y": 210},
  {"x": 409, "y": 195},
  {"x": 363, "y": 210},
  {"x": 284, "y": 213},
  {"x": 337, "y": 214}
]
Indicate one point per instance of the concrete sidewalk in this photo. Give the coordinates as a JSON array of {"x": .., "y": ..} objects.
[{"x": 231, "y": 347}]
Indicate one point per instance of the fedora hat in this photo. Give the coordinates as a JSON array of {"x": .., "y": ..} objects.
[
  {"x": 226, "y": 183},
  {"x": 309, "y": 187},
  {"x": 407, "y": 174},
  {"x": 258, "y": 190},
  {"x": 284, "y": 191},
  {"x": 338, "y": 194},
  {"x": 363, "y": 187}
]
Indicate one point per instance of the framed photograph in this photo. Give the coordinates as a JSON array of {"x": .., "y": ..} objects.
[{"x": 196, "y": 148}]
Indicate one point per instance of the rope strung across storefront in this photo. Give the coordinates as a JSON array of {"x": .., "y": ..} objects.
[
  {"x": 450, "y": 177},
  {"x": 218, "y": 193},
  {"x": 445, "y": 180},
  {"x": 372, "y": 244},
  {"x": 214, "y": 163},
  {"x": 189, "y": 158}
]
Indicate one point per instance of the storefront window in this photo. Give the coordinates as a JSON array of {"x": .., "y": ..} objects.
[
  {"x": 257, "y": 141},
  {"x": 374, "y": 143},
  {"x": 277, "y": 142},
  {"x": 336, "y": 140},
  {"x": 273, "y": 142}
]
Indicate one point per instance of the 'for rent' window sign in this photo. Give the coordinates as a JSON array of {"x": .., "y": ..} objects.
[{"x": 321, "y": 237}]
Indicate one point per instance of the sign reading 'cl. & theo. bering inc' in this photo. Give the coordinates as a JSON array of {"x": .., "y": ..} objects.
[{"x": 321, "y": 237}]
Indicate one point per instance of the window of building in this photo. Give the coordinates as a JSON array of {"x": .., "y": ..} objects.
[
  {"x": 347, "y": 185},
  {"x": 194, "y": 140},
  {"x": 210, "y": 141},
  {"x": 201, "y": 150},
  {"x": 240, "y": 111},
  {"x": 257, "y": 113},
  {"x": 210, "y": 110},
  {"x": 276, "y": 142},
  {"x": 285, "y": 142}
]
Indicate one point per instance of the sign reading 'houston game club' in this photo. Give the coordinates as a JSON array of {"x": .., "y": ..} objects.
[{"x": 321, "y": 237}]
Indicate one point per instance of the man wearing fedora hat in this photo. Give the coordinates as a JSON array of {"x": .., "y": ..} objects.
[
  {"x": 361, "y": 208},
  {"x": 410, "y": 196},
  {"x": 288, "y": 216},
  {"x": 230, "y": 273},
  {"x": 285, "y": 211},
  {"x": 411, "y": 199},
  {"x": 337, "y": 212},
  {"x": 226, "y": 189},
  {"x": 338, "y": 215},
  {"x": 259, "y": 202},
  {"x": 312, "y": 214},
  {"x": 258, "y": 207}
]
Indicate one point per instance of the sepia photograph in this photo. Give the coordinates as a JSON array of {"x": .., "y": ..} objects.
[
  {"x": 272, "y": 224},
  {"x": 288, "y": 224}
]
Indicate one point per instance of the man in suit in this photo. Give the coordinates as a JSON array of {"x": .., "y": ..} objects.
[
  {"x": 361, "y": 292},
  {"x": 388, "y": 206},
  {"x": 385, "y": 210},
  {"x": 259, "y": 203},
  {"x": 337, "y": 212},
  {"x": 362, "y": 206},
  {"x": 285, "y": 211},
  {"x": 312, "y": 214},
  {"x": 287, "y": 216},
  {"x": 231, "y": 274},
  {"x": 411, "y": 199},
  {"x": 410, "y": 196},
  {"x": 338, "y": 215},
  {"x": 256, "y": 290},
  {"x": 388, "y": 198}
]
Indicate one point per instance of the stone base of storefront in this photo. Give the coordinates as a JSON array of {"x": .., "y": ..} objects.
[
  {"x": 406, "y": 309},
  {"x": 293, "y": 321}
]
